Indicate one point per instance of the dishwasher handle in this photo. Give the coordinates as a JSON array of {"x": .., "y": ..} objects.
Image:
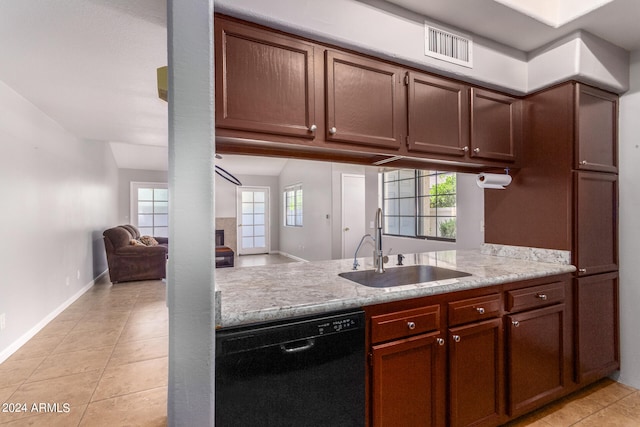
[{"x": 308, "y": 345}]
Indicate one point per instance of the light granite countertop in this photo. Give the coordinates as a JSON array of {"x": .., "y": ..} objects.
[{"x": 262, "y": 293}]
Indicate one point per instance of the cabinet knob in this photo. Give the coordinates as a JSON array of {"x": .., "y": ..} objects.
[
  {"x": 480, "y": 310},
  {"x": 456, "y": 338},
  {"x": 465, "y": 148},
  {"x": 440, "y": 341},
  {"x": 515, "y": 323},
  {"x": 333, "y": 130},
  {"x": 313, "y": 128},
  {"x": 411, "y": 325},
  {"x": 543, "y": 297},
  {"x": 584, "y": 162},
  {"x": 582, "y": 270},
  {"x": 476, "y": 150}
]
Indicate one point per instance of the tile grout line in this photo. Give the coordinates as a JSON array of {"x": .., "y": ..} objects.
[
  {"x": 108, "y": 360},
  {"x": 601, "y": 409}
]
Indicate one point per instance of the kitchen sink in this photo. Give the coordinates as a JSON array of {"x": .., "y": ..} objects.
[{"x": 399, "y": 276}]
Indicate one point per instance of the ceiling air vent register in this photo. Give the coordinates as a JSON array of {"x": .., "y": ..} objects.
[{"x": 448, "y": 46}]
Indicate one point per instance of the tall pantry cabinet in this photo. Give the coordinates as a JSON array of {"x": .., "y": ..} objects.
[{"x": 565, "y": 197}]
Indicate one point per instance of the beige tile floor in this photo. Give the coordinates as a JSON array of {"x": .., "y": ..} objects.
[
  {"x": 106, "y": 358},
  {"x": 103, "y": 361}
]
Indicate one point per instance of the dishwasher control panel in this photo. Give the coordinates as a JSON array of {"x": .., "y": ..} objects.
[{"x": 338, "y": 325}]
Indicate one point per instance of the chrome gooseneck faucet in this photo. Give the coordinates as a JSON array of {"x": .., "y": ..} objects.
[{"x": 378, "y": 255}]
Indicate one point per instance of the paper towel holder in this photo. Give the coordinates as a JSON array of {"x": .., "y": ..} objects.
[{"x": 494, "y": 181}]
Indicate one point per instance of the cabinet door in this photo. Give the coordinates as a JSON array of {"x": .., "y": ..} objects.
[
  {"x": 264, "y": 81},
  {"x": 475, "y": 377},
  {"x": 597, "y": 339},
  {"x": 596, "y": 130},
  {"x": 536, "y": 357},
  {"x": 408, "y": 382},
  {"x": 496, "y": 125},
  {"x": 438, "y": 115},
  {"x": 596, "y": 222},
  {"x": 362, "y": 101}
]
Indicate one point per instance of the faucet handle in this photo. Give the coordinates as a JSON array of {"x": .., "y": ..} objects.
[{"x": 400, "y": 258}]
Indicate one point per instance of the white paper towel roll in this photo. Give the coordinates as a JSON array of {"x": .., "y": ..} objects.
[{"x": 493, "y": 180}]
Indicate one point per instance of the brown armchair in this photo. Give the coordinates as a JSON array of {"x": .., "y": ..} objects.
[{"x": 129, "y": 262}]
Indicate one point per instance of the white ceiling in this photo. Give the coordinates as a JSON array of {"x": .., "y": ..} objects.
[
  {"x": 91, "y": 64},
  {"x": 616, "y": 21}
]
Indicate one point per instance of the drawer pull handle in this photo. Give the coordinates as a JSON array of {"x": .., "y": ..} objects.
[
  {"x": 582, "y": 270},
  {"x": 480, "y": 310},
  {"x": 543, "y": 297},
  {"x": 456, "y": 338},
  {"x": 515, "y": 323},
  {"x": 411, "y": 325},
  {"x": 440, "y": 341}
]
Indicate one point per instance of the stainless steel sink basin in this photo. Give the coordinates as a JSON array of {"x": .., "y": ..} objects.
[{"x": 399, "y": 276}]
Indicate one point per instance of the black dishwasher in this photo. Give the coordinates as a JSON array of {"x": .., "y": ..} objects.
[{"x": 301, "y": 372}]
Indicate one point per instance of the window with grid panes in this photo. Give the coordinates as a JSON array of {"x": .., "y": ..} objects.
[
  {"x": 150, "y": 208},
  {"x": 419, "y": 204},
  {"x": 293, "y": 206}
]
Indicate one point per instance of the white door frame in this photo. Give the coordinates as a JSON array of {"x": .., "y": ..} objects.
[{"x": 267, "y": 218}]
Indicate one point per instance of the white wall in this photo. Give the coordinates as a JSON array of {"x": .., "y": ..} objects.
[
  {"x": 58, "y": 195},
  {"x": 312, "y": 241},
  {"x": 629, "y": 155}
]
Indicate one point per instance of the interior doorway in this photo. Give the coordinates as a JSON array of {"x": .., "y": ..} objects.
[
  {"x": 353, "y": 213},
  {"x": 253, "y": 220}
]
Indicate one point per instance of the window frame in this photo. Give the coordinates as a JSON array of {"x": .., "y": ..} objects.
[
  {"x": 133, "y": 219},
  {"x": 298, "y": 211},
  {"x": 419, "y": 193}
]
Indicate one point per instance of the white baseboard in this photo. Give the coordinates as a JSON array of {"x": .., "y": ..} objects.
[
  {"x": 15, "y": 346},
  {"x": 290, "y": 256}
]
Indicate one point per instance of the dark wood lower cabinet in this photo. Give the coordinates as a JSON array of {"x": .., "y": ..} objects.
[
  {"x": 536, "y": 357},
  {"x": 484, "y": 357},
  {"x": 596, "y": 319},
  {"x": 475, "y": 374},
  {"x": 408, "y": 382}
]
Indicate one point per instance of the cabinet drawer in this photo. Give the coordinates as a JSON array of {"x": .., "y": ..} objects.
[
  {"x": 474, "y": 309},
  {"x": 387, "y": 327},
  {"x": 536, "y": 296}
]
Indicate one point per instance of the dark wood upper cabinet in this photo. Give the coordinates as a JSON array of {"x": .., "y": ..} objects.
[
  {"x": 438, "y": 115},
  {"x": 496, "y": 125},
  {"x": 597, "y": 340},
  {"x": 264, "y": 81},
  {"x": 596, "y": 130},
  {"x": 596, "y": 222},
  {"x": 362, "y": 101}
]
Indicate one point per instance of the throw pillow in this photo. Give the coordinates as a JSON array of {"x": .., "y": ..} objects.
[
  {"x": 148, "y": 240},
  {"x": 135, "y": 242}
]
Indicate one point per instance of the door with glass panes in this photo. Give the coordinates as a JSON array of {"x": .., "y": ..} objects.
[{"x": 253, "y": 220}]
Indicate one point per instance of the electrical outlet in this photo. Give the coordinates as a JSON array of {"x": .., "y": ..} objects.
[
  {"x": 78, "y": 275},
  {"x": 3, "y": 321}
]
